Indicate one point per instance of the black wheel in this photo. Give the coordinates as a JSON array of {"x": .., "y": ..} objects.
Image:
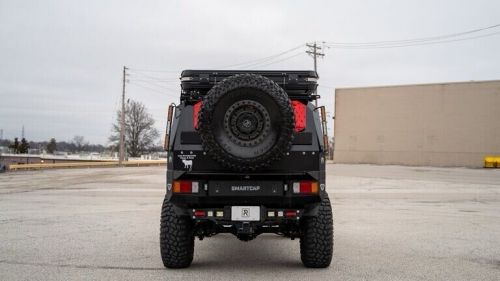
[
  {"x": 176, "y": 238},
  {"x": 316, "y": 243},
  {"x": 246, "y": 122}
]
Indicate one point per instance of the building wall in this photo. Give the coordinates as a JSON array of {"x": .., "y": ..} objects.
[
  {"x": 19, "y": 159},
  {"x": 37, "y": 159},
  {"x": 453, "y": 124}
]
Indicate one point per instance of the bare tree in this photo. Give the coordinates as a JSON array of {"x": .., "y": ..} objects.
[
  {"x": 140, "y": 133},
  {"x": 79, "y": 142}
]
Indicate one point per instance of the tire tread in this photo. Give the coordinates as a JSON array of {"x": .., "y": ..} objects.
[
  {"x": 316, "y": 243},
  {"x": 176, "y": 238}
]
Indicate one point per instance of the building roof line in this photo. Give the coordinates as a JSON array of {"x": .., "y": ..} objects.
[{"x": 422, "y": 84}]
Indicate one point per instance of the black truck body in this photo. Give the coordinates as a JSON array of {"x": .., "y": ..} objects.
[{"x": 223, "y": 177}]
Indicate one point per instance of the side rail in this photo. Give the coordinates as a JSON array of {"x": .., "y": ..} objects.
[
  {"x": 168, "y": 127},
  {"x": 324, "y": 127}
]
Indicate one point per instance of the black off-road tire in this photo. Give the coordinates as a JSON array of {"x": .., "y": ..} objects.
[
  {"x": 176, "y": 238},
  {"x": 316, "y": 243},
  {"x": 238, "y": 88}
]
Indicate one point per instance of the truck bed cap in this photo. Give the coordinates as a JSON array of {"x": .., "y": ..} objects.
[{"x": 299, "y": 84}]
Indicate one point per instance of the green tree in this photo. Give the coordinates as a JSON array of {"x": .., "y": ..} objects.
[
  {"x": 15, "y": 146},
  {"x": 24, "y": 146},
  {"x": 51, "y": 146}
]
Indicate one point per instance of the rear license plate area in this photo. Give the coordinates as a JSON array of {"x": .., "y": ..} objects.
[{"x": 245, "y": 213}]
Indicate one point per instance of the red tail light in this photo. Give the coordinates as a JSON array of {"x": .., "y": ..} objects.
[
  {"x": 305, "y": 187},
  {"x": 299, "y": 110},
  {"x": 290, "y": 213},
  {"x": 196, "y": 111},
  {"x": 186, "y": 187},
  {"x": 199, "y": 213}
]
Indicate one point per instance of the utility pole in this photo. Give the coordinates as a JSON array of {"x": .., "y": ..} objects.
[
  {"x": 315, "y": 52},
  {"x": 1, "y": 134},
  {"x": 22, "y": 133},
  {"x": 121, "y": 153}
]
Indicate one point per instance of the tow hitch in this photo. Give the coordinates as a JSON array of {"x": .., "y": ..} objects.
[{"x": 245, "y": 231}]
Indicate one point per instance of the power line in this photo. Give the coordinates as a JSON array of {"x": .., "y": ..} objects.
[
  {"x": 267, "y": 61},
  {"x": 419, "y": 44},
  {"x": 149, "y": 81},
  {"x": 155, "y": 70},
  {"x": 155, "y": 84},
  {"x": 246, "y": 64},
  {"x": 264, "y": 59},
  {"x": 153, "y": 77},
  {"x": 281, "y": 60},
  {"x": 154, "y": 90},
  {"x": 453, "y": 37},
  {"x": 158, "y": 80},
  {"x": 315, "y": 52},
  {"x": 440, "y": 39},
  {"x": 446, "y": 36}
]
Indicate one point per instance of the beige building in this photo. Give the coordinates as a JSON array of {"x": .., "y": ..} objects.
[{"x": 449, "y": 124}]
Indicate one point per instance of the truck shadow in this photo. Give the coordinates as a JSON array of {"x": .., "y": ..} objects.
[{"x": 226, "y": 252}]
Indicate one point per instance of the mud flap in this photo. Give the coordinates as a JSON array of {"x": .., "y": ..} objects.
[
  {"x": 311, "y": 210},
  {"x": 180, "y": 211}
]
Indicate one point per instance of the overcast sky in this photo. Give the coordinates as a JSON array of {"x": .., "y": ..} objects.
[{"x": 61, "y": 61}]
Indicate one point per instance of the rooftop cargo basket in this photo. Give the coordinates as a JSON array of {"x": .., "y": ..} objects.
[{"x": 298, "y": 84}]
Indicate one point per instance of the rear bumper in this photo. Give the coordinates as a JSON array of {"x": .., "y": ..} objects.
[
  {"x": 222, "y": 213},
  {"x": 211, "y": 221},
  {"x": 210, "y": 204},
  {"x": 274, "y": 194}
]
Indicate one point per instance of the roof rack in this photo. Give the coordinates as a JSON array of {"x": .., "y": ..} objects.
[{"x": 298, "y": 84}]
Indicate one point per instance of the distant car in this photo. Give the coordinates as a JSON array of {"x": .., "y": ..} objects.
[
  {"x": 3, "y": 168},
  {"x": 246, "y": 155}
]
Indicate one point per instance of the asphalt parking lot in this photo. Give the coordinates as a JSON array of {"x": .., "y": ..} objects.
[{"x": 391, "y": 223}]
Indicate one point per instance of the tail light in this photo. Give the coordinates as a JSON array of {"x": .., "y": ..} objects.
[
  {"x": 291, "y": 213},
  {"x": 305, "y": 187},
  {"x": 299, "y": 109},
  {"x": 207, "y": 213},
  {"x": 199, "y": 213},
  {"x": 186, "y": 187},
  {"x": 196, "y": 111}
]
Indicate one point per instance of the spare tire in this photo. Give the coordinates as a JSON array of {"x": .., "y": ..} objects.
[{"x": 246, "y": 122}]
